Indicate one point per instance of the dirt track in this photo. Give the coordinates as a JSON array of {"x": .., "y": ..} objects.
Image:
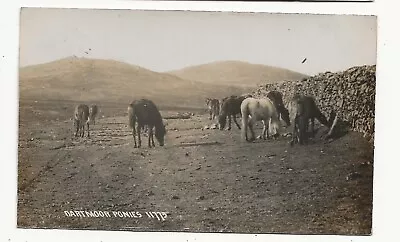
[{"x": 217, "y": 185}]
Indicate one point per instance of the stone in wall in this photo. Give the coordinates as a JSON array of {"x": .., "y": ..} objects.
[{"x": 351, "y": 94}]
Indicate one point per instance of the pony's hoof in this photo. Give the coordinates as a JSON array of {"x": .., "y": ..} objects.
[{"x": 251, "y": 140}]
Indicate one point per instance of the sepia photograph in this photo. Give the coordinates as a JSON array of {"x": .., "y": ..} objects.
[
  {"x": 337, "y": 1},
  {"x": 185, "y": 121}
]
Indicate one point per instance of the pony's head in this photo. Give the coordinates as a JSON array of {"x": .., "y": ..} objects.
[
  {"x": 160, "y": 133},
  {"x": 222, "y": 121},
  {"x": 296, "y": 97}
]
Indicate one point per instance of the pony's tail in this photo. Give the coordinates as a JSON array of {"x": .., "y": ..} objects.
[{"x": 131, "y": 116}]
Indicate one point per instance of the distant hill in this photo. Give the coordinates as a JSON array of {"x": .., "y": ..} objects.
[
  {"x": 236, "y": 73},
  {"x": 88, "y": 80}
]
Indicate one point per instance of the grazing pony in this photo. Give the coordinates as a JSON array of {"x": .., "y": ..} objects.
[
  {"x": 305, "y": 109},
  {"x": 230, "y": 107},
  {"x": 259, "y": 109},
  {"x": 145, "y": 112},
  {"x": 93, "y": 110},
  {"x": 276, "y": 98},
  {"x": 81, "y": 118},
  {"x": 213, "y": 107}
]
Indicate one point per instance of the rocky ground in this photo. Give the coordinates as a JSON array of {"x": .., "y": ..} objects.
[{"x": 202, "y": 180}]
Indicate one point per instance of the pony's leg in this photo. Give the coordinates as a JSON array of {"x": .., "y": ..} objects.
[
  {"x": 82, "y": 130},
  {"x": 267, "y": 125},
  {"x": 139, "y": 138},
  {"x": 229, "y": 122},
  {"x": 303, "y": 126},
  {"x": 251, "y": 124},
  {"x": 210, "y": 114},
  {"x": 150, "y": 135},
  {"x": 294, "y": 134},
  {"x": 134, "y": 134},
  {"x": 236, "y": 122},
  {"x": 264, "y": 130},
  {"x": 244, "y": 130},
  {"x": 88, "y": 134},
  {"x": 312, "y": 127},
  {"x": 76, "y": 128}
]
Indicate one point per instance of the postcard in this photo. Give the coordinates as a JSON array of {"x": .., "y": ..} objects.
[{"x": 184, "y": 121}]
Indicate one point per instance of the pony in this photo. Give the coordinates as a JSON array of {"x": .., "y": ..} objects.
[
  {"x": 213, "y": 107},
  {"x": 145, "y": 112},
  {"x": 81, "y": 118},
  {"x": 283, "y": 113},
  {"x": 306, "y": 109},
  {"x": 254, "y": 110},
  {"x": 93, "y": 110},
  {"x": 230, "y": 107}
]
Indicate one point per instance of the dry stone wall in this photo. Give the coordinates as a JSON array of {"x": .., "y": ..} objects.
[{"x": 351, "y": 94}]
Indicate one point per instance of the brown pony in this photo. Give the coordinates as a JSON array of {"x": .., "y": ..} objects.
[
  {"x": 145, "y": 112},
  {"x": 283, "y": 113},
  {"x": 230, "y": 107},
  {"x": 306, "y": 109},
  {"x": 93, "y": 110}
]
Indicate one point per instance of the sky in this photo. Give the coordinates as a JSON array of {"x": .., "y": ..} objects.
[{"x": 170, "y": 40}]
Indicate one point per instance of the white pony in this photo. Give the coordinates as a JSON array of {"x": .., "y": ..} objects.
[{"x": 254, "y": 110}]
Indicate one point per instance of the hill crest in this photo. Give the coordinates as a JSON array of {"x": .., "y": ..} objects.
[
  {"x": 237, "y": 73},
  {"x": 83, "y": 79}
]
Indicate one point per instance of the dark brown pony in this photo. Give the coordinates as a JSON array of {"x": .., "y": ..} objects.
[
  {"x": 145, "y": 112},
  {"x": 283, "y": 113},
  {"x": 230, "y": 107},
  {"x": 81, "y": 118},
  {"x": 306, "y": 109}
]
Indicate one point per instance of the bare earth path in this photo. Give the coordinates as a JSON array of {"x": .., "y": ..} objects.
[{"x": 201, "y": 181}]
